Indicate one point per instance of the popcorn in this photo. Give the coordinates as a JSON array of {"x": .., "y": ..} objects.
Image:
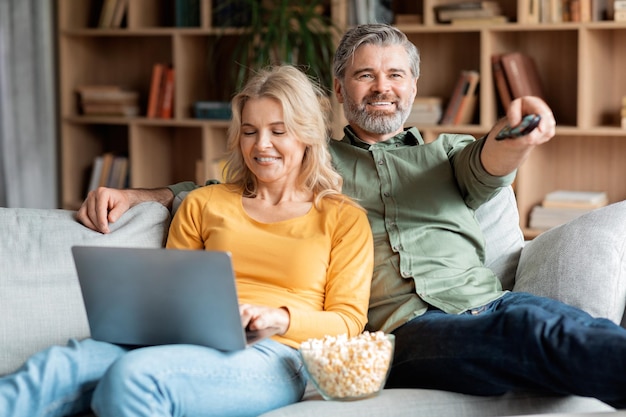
[{"x": 343, "y": 367}]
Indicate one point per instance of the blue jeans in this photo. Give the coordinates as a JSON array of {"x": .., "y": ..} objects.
[
  {"x": 171, "y": 380},
  {"x": 519, "y": 342}
]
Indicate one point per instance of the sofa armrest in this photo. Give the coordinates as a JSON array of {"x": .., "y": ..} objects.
[
  {"x": 581, "y": 263},
  {"x": 40, "y": 300}
]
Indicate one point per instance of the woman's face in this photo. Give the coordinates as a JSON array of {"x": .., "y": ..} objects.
[{"x": 272, "y": 154}]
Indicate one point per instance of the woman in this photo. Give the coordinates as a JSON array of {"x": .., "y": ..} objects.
[{"x": 302, "y": 254}]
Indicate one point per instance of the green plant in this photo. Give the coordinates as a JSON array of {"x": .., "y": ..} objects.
[{"x": 298, "y": 32}]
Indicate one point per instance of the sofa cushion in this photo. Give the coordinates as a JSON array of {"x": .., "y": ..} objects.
[
  {"x": 40, "y": 301},
  {"x": 581, "y": 263},
  {"x": 499, "y": 222}
]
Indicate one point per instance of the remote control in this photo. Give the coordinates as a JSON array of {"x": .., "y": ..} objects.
[{"x": 528, "y": 123}]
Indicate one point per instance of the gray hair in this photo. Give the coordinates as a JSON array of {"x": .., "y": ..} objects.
[{"x": 373, "y": 34}]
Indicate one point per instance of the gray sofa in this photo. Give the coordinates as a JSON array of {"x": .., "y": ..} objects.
[{"x": 582, "y": 263}]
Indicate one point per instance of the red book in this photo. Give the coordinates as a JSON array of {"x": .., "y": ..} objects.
[
  {"x": 167, "y": 99},
  {"x": 467, "y": 105},
  {"x": 502, "y": 85},
  {"x": 155, "y": 90},
  {"x": 455, "y": 99},
  {"x": 522, "y": 75}
]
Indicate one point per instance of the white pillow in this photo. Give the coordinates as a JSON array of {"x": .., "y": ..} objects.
[{"x": 581, "y": 263}]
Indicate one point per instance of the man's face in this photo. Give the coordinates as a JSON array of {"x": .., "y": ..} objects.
[{"x": 377, "y": 91}]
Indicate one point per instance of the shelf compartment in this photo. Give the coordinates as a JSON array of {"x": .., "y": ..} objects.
[
  {"x": 454, "y": 50},
  {"x": 602, "y": 82},
  {"x": 203, "y": 70},
  {"x": 161, "y": 155},
  {"x": 126, "y": 62},
  {"x": 579, "y": 163},
  {"x": 556, "y": 60},
  {"x": 83, "y": 142}
]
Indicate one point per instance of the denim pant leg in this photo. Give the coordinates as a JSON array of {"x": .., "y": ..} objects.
[
  {"x": 58, "y": 381},
  {"x": 187, "y": 380},
  {"x": 519, "y": 342}
]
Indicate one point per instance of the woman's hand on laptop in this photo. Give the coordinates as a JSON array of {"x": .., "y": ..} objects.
[{"x": 254, "y": 317}]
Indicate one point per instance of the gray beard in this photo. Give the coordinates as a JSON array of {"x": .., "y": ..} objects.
[{"x": 378, "y": 122}]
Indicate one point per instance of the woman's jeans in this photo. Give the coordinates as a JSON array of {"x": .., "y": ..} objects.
[
  {"x": 170, "y": 380},
  {"x": 519, "y": 342}
]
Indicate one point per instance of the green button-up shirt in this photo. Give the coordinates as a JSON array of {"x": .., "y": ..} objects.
[{"x": 420, "y": 200}]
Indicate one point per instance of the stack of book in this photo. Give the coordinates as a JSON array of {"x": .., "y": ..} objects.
[
  {"x": 559, "y": 207},
  {"x": 462, "y": 104},
  {"x": 107, "y": 100},
  {"x": 109, "y": 170},
  {"x": 470, "y": 12},
  {"x": 515, "y": 75},
  {"x": 425, "y": 110}
]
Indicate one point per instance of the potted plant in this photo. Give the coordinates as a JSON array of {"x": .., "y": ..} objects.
[{"x": 298, "y": 32}]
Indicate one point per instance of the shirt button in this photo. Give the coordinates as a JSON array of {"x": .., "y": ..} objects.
[
  {"x": 381, "y": 162},
  {"x": 386, "y": 194},
  {"x": 406, "y": 274}
]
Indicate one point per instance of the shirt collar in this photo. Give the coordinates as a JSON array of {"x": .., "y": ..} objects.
[{"x": 409, "y": 137}]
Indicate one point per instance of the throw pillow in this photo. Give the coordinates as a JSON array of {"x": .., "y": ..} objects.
[{"x": 580, "y": 263}]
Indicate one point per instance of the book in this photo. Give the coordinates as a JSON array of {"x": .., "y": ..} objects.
[
  {"x": 522, "y": 75},
  {"x": 425, "y": 110},
  {"x": 444, "y": 13},
  {"x": 187, "y": 13},
  {"x": 532, "y": 12},
  {"x": 118, "y": 172},
  {"x": 467, "y": 105},
  {"x": 118, "y": 14},
  {"x": 111, "y": 109},
  {"x": 544, "y": 218},
  {"x": 502, "y": 85},
  {"x": 106, "y": 13},
  {"x": 478, "y": 21},
  {"x": 167, "y": 98},
  {"x": 107, "y": 163},
  {"x": 96, "y": 173},
  {"x": 108, "y": 100},
  {"x": 154, "y": 95},
  {"x": 575, "y": 199},
  {"x": 455, "y": 99},
  {"x": 106, "y": 94}
]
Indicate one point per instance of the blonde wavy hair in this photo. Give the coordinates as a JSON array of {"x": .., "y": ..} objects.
[{"x": 306, "y": 113}]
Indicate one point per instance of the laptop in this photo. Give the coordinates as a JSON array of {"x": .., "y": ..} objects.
[{"x": 156, "y": 296}]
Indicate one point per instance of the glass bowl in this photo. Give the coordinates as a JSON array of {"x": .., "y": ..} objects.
[{"x": 347, "y": 369}]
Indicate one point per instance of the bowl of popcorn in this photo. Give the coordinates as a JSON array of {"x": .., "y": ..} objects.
[{"x": 348, "y": 368}]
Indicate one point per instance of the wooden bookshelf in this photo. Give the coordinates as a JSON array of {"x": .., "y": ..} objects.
[{"x": 581, "y": 66}]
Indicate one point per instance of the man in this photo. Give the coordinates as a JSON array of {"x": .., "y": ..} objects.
[{"x": 455, "y": 328}]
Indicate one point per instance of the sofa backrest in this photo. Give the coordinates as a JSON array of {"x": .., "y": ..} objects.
[{"x": 40, "y": 301}]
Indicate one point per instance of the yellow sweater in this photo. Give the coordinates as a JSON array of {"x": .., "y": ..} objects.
[{"x": 318, "y": 266}]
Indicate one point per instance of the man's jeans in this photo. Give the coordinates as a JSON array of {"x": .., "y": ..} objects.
[
  {"x": 172, "y": 380},
  {"x": 519, "y": 342}
]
